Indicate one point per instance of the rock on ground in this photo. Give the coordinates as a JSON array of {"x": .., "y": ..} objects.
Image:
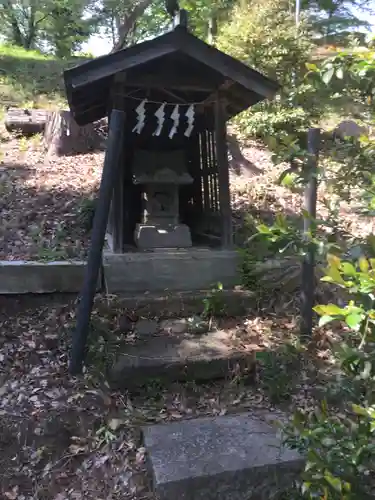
[{"x": 237, "y": 457}]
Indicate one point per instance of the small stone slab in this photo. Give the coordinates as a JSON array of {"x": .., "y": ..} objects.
[
  {"x": 170, "y": 358},
  {"x": 237, "y": 457},
  {"x": 18, "y": 277}
]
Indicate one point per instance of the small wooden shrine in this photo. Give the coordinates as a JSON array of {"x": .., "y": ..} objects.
[
  {"x": 177, "y": 93},
  {"x": 165, "y": 180}
]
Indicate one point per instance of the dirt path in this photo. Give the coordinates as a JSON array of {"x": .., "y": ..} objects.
[{"x": 72, "y": 438}]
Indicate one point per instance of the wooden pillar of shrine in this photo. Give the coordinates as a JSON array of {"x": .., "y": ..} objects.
[
  {"x": 115, "y": 228},
  {"x": 223, "y": 172}
]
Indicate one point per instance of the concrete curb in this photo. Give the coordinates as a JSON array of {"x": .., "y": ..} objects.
[
  {"x": 170, "y": 269},
  {"x": 19, "y": 277}
]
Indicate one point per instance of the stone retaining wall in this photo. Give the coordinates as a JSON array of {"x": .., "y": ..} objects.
[{"x": 18, "y": 277}]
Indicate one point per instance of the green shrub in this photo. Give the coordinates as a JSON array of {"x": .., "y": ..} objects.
[
  {"x": 339, "y": 444},
  {"x": 262, "y": 34},
  {"x": 273, "y": 120},
  {"x": 213, "y": 303},
  {"x": 86, "y": 213}
]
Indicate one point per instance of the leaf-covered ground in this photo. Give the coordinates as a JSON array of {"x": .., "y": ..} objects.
[
  {"x": 43, "y": 200},
  {"x": 72, "y": 438},
  {"x": 67, "y": 438}
]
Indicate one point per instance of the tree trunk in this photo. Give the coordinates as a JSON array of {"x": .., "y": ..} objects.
[
  {"x": 127, "y": 26},
  {"x": 63, "y": 137},
  {"x": 17, "y": 36},
  {"x": 212, "y": 28},
  {"x": 26, "y": 122}
]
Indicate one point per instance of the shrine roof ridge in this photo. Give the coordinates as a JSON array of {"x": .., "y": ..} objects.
[{"x": 88, "y": 85}]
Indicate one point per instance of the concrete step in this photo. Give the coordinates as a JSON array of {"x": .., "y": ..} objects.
[
  {"x": 236, "y": 302},
  {"x": 236, "y": 457},
  {"x": 174, "y": 357}
]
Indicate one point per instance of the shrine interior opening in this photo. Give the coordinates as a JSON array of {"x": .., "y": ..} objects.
[{"x": 198, "y": 205}]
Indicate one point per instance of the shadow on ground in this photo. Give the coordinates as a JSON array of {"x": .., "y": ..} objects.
[{"x": 42, "y": 223}]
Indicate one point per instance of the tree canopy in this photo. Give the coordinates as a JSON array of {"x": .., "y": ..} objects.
[{"x": 62, "y": 26}]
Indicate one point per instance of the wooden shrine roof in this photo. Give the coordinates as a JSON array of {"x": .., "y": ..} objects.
[{"x": 176, "y": 60}]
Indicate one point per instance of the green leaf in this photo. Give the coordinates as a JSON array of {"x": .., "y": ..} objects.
[
  {"x": 327, "y": 279},
  {"x": 333, "y": 481},
  {"x": 263, "y": 356},
  {"x": 348, "y": 269},
  {"x": 363, "y": 264},
  {"x": 327, "y": 76},
  {"x": 262, "y": 228},
  {"x": 311, "y": 67},
  {"x": 328, "y": 442},
  {"x": 306, "y": 487},
  {"x": 324, "y": 320},
  {"x": 359, "y": 410},
  {"x": 340, "y": 73},
  {"x": 354, "y": 320},
  {"x": 281, "y": 221},
  {"x": 334, "y": 273},
  {"x": 330, "y": 310},
  {"x": 333, "y": 260}
]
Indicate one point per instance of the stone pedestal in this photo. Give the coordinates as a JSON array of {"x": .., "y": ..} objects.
[
  {"x": 156, "y": 236},
  {"x": 161, "y": 174}
]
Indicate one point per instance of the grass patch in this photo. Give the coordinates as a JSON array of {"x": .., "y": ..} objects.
[{"x": 43, "y": 85}]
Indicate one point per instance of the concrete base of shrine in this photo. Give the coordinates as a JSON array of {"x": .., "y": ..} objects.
[{"x": 170, "y": 269}]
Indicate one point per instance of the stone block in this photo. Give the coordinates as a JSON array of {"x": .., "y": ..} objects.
[
  {"x": 170, "y": 358},
  {"x": 17, "y": 277},
  {"x": 172, "y": 236},
  {"x": 223, "y": 458},
  {"x": 178, "y": 270}
]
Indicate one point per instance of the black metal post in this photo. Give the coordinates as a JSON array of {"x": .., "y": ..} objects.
[
  {"x": 110, "y": 170},
  {"x": 308, "y": 265}
]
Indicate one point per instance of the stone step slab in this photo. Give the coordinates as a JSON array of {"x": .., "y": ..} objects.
[
  {"x": 168, "y": 358},
  {"x": 228, "y": 457},
  {"x": 236, "y": 302}
]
